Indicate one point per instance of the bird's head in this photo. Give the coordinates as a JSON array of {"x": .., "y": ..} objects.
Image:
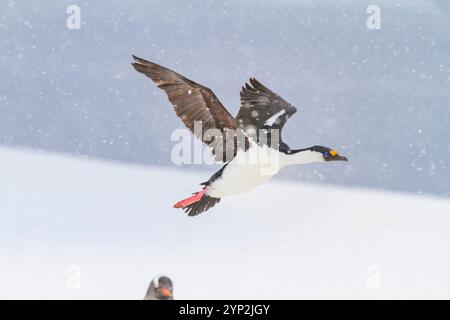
[
  {"x": 161, "y": 288},
  {"x": 328, "y": 154}
]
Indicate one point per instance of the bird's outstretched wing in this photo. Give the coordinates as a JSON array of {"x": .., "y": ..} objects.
[
  {"x": 262, "y": 109},
  {"x": 194, "y": 103}
]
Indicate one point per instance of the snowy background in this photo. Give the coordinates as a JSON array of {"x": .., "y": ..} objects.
[
  {"x": 73, "y": 228},
  {"x": 72, "y": 107}
]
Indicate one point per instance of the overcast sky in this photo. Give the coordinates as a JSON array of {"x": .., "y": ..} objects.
[{"x": 381, "y": 97}]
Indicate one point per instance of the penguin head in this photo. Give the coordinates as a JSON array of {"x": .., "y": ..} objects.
[{"x": 160, "y": 288}]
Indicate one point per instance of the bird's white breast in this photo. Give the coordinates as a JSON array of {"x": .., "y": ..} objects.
[{"x": 246, "y": 171}]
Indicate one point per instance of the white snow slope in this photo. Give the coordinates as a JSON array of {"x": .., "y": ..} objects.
[{"x": 75, "y": 228}]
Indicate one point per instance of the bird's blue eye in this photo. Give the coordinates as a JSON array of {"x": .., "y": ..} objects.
[{"x": 326, "y": 154}]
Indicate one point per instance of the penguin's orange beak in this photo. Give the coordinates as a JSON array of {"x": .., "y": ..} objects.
[{"x": 165, "y": 292}]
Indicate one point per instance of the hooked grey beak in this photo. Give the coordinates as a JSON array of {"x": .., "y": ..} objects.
[{"x": 336, "y": 158}]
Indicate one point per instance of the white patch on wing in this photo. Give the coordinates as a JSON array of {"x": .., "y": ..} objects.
[{"x": 270, "y": 122}]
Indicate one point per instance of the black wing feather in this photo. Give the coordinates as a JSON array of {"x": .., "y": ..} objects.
[{"x": 261, "y": 108}]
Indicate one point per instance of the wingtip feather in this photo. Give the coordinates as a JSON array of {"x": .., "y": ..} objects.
[{"x": 140, "y": 60}]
